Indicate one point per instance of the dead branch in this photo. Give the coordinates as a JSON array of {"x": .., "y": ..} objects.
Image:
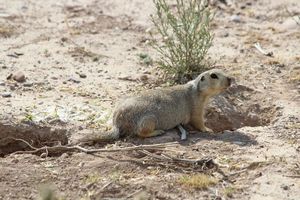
[
  {"x": 59, "y": 149},
  {"x": 203, "y": 163}
]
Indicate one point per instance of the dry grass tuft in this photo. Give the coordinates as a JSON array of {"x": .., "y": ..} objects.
[
  {"x": 228, "y": 191},
  {"x": 6, "y": 31},
  {"x": 198, "y": 181},
  {"x": 295, "y": 76}
]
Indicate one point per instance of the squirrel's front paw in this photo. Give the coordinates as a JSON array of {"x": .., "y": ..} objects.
[{"x": 207, "y": 130}]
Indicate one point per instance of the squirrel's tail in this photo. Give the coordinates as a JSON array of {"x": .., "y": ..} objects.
[{"x": 96, "y": 137}]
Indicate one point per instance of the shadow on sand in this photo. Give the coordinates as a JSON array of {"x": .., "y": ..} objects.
[{"x": 233, "y": 137}]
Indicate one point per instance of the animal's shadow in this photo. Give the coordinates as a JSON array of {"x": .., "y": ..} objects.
[{"x": 233, "y": 137}]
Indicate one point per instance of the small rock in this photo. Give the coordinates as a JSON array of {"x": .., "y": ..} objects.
[
  {"x": 239, "y": 143},
  {"x": 224, "y": 34},
  {"x": 146, "y": 72},
  {"x": 73, "y": 80},
  {"x": 12, "y": 87},
  {"x": 81, "y": 75},
  {"x": 125, "y": 78},
  {"x": 81, "y": 164},
  {"x": 14, "y": 160},
  {"x": 285, "y": 187},
  {"x": 28, "y": 84},
  {"x": 235, "y": 18},
  {"x": 259, "y": 174},
  {"x": 64, "y": 156},
  {"x": 144, "y": 78},
  {"x": 2, "y": 83},
  {"x": 243, "y": 6},
  {"x": 64, "y": 39},
  {"x": 6, "y": 94},
  {"x": 278, "y": 70},
  {"x": 280, "y": 65},
  {"x": 4, "y": 67},
  {"x": 19, "y": 76}
]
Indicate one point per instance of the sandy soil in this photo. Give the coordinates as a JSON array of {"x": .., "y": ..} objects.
[{"x": 79, "y": 57}]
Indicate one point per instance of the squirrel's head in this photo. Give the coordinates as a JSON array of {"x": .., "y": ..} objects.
[{"x": 212, "y": 82}]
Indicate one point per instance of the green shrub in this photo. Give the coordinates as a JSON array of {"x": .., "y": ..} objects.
[{"x": 185, "y": 35}]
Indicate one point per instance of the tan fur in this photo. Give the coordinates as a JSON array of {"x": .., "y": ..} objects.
[{"x": 152, "y": 112}]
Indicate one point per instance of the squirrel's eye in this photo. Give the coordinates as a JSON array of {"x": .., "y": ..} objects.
[{"x": 214, "y": 76}]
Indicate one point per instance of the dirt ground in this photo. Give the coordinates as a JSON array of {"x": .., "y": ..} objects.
[{"x": 79, "y": 57}]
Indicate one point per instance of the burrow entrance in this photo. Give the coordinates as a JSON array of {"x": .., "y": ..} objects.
[{"x": 240, "y": 106}]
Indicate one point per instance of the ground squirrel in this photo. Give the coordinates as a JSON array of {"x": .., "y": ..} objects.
[{"x": 155, "y": 111}]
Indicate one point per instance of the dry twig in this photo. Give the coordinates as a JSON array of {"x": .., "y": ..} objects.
[
  {"x": 292, "y": 176},
  {"x": 58, "y": 149},
  {"x": 192, "y": 164}
]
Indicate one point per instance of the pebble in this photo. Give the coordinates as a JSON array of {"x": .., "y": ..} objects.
[
  {"x": 6, "y": 94},
  {"x": 12, "y": 87},
  {"x": 19, "y": 76},
  {"x": 74, "y": 80},
  {"x": 278, "y": 70},
  {"x": 125, "y": 77},
  {"x": 235, "y": 18},
  {"x": 14, "y": 160},
  {"x": 2, "y": 83},
  {"x": 28, "y": 84},
  {"x": 64, "y": 156},
  {"x": 285, "y": 187},
  {"x": 144, "y": 78},
  {"x": 280, "y": 65},
  {"x": 146, "y": 72},
  {"x": 81, "y": 164},
  {"x": 224, "y": 34},
  {"x": 82, "y": 75}
]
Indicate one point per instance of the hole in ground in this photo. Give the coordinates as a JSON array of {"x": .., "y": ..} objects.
[
  {"x": 35, "y": 135},
  {"x": 238, "y": 107}
]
